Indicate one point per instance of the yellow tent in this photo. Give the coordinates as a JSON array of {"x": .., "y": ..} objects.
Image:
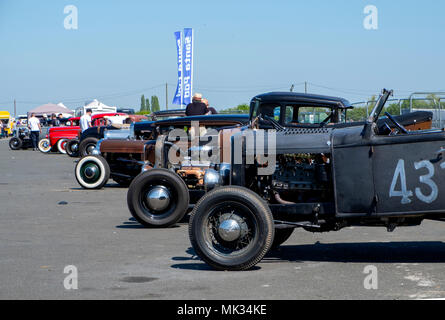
[{"x": 5, "y": 117}]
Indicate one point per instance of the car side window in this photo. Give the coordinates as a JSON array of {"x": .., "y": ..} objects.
[
  {"x": 313, "y": 115},
  {"x": 289, "y": 115},
  {"x": 269, "y": 111}
]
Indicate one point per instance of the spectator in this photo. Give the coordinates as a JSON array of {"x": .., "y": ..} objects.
[
  {"x": 212, "y": 110},
  {"x": 197, "y": 107},
  {"x": 15, "y": 126},
  {"x": 34, "y": 126},
  {"x": 45, "y": 120},
  {"x": 60, "y": 119},
  {"x": 85, "y": 120},
  {"x": 53, "y": 122}
]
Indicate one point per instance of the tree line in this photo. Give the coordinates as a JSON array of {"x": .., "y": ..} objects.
[
  {"x": 360, "y": 113},
  {"x": 148, "y": 106}
]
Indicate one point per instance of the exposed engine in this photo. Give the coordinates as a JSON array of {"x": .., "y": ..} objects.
[{"x": 298, "y": 178}]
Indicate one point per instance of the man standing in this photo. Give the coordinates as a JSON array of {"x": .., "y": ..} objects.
[
  {"x": 44, "y": 121},
  {"x": 85, "y": 120},
  {"x": 53, "y": 121},
  {"x": 211, "y": 109},
  {"x": 197, "y": 107},
  {"x": 34, "y": 126},
  {"x": 60, "y": 120}
]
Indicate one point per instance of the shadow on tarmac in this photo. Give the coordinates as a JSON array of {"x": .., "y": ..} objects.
[{"x": 372, "y": 252}]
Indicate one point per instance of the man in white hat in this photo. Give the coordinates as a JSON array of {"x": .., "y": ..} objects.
[{"x": 197, "y": 107}]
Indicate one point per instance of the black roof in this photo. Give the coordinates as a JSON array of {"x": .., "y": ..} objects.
[
  {"x": 303, "y": 97},
  {"x": 164, "y": 113},
  {"x": 242, "y": 118}
]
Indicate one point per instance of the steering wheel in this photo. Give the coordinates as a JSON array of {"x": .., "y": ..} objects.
[
  {"x": 394, "y": 121},
  {"x": 326, "y": 121},
  {"x": 274, "y": 123}
]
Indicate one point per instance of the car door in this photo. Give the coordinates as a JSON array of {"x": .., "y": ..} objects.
[
  {"x": 409, "y": 173},
  {"x": 352, "y": 173}
]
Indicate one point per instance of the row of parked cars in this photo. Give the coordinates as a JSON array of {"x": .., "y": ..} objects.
[{"x": 295, "y": 161}]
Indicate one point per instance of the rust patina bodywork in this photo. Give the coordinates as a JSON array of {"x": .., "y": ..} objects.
[{"x": 127, "y": 158}]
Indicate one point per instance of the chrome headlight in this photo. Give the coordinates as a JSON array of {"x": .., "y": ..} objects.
[
  {"x": 212, "y": 179},
  {"x": 96, "y": 150},
  {"x": 224, "y": 172},
  {"x": 132, "y": 135}
]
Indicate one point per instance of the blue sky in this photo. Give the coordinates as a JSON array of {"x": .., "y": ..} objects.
[{"x": 242, "y": 48}]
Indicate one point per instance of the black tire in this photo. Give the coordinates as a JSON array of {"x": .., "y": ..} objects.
[
  {"x": 87, "y": 145},
  {"x": 72, "y": 148},
  {"x": 281, "y": 236},
  {"x": 61, "y": 145},
  {"x": 15, "y": 143},
  {"x": 255, "y": 227},
  {"x": 175, "y": 198},
  {"x": 44, "y": 145},
  {"x": 98, "y": 175}
]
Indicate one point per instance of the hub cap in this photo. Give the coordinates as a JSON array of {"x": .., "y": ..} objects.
[
  {"x": 90, "y": 172},
  {"x": 229, "y": 230},
  {"x": 232, "y": 227},
  {"x": 158, "y": 198}
]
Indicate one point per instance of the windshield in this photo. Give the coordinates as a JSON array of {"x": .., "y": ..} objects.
[
  {"x": 295, "y": 114},
  {"x": 379, "y": 105}
]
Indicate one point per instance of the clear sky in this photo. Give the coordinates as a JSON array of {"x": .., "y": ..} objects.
[{"x": 123, "y": 49}]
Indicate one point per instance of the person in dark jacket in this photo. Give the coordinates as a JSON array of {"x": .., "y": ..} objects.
[
  {"x": 211, "y": 109},
  {"x": 197, "y": 107},
  {"x": 54, "y": 121}
]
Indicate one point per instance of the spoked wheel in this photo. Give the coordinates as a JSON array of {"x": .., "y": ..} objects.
[
  {"x": 92, "y": 172},
  {"x": 231, "y": 228},
  {"x": 87, "y": 146},
  {"x": 44, "y": 145},
  {"x": 158, "y": 198},
  {"x": 61, "y": 145},
  {"x": 15, "y": 143},
  {"x": 72, "y": 148}
]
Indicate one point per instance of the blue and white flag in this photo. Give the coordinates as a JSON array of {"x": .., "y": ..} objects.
[
  {"x": 177, "y": 99},
  {"x": 188, "y": 66}
]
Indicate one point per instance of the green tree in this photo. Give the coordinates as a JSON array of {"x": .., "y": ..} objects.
[
  {"x": 372, "y": 102},
  {"x": 155, "y": 104},
  {"x": 143, "y": 107},
  {"x": 147, "y": 106},
  {"x": 356, "y": 114},
  {"x": 434, "y": 100},
  {"x": 240, "y": 109},
  {"x": 393, "y": 109}
]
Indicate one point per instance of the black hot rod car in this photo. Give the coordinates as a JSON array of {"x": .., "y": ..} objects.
[{"x": 324, "y": 178}]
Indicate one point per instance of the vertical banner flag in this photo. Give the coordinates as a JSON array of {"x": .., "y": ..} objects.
[
  {"x": 178, "y": 97},
  {"x": 188, "y": 66}
]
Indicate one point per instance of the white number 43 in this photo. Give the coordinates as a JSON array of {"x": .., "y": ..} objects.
[{"x": 425, "y": 179}]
